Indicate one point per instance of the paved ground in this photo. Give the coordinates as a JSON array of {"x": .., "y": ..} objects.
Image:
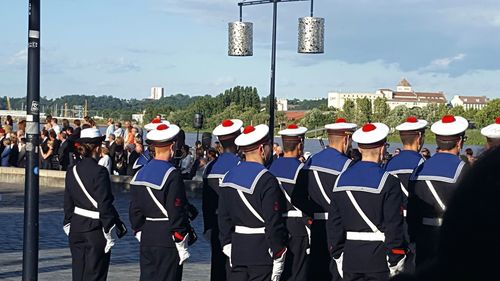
[{"x": 55, "y": 258}]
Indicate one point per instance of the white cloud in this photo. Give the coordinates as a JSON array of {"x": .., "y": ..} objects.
[
  {"x": 21, "y": 57},
  {"x": 442, "y": 63}
]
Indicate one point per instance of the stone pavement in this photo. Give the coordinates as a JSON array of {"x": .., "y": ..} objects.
[{"x": 55, "y": 258}]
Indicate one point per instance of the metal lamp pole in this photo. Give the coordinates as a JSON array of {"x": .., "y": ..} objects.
[{"x": 31, "y": 186}]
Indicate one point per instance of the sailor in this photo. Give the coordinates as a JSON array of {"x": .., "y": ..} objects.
[
  {"x": 90, "y": 219},
  {"x": 432, "y": 185},
  {"x": 286, "y": 169},
  {"x": 492, "y": 134},
  {"x": 146, "y": 155},
  {"x": 412, "y": 134},
  {"x": 226, "y": 133},
  {"x": 158, "y": 210},
  {"x": 318, "y": 176},
  {"x": 365, "y": 218},
  {"x": 251, "y": 205}
]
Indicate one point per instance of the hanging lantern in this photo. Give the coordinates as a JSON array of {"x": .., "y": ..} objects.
[
  {"x": 311, "y": 35},
  {"x": 240, "y": 39}
]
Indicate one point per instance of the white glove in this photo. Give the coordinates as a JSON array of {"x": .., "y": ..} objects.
[
  {"x": 66, "y": 228},
  {"x": 110, "y": 239},
  {"x": 227, "y": 251},
  {"x": 339, "y": 263},
  {"x": 182, "y": 249},
  {"x": 278, "y": 266},
  {"x": 398, "y": 268},
  {"x": 138, "y": 236}
]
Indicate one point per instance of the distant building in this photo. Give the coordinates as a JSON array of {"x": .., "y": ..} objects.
[
  {"x": 282, "y": 104},
  {"x": 403, "y": 95},
  {"x": 292, "y": 116},
  {"x": 139, "y": 117},
  {"x": 156, "y": 93},
  {"x": 469, "y": 102}
]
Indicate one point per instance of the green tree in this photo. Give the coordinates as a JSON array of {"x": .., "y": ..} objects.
[
  {"x": 348, "y": 110},
  {"x": 363, "y": 110},
  {"x": 397, "y": 116},
  {"x": 380, "y": 109}
]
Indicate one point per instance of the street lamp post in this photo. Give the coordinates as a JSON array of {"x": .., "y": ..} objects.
[
  {"x": 311, "y": 32},
  {"x": 31, "y": 186}
]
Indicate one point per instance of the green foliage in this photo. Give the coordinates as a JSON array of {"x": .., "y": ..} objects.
[
  {"x": 380, "y": 109},
  {"x": 363, "y": 110},
  {"x": 348, "y": 110},
  {"x": 296, "y": 104}
]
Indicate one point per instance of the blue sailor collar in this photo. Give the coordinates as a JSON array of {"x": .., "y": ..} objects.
[
  {"x": 154, "y": 174},
  {"x": 442, "y": 167},
  {"x": 220, "y": 166},
  {"x": 286, "y": 169},
  {"x": 329, "y": 160},
  {"x": 142, "y": 160},
  {"x": 362, "y": 176},
  {"x": 404, "y": 163},
  {"x": 244, "y": 177}
]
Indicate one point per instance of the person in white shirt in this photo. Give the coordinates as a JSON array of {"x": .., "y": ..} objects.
[
  {"x": 119, "y": 132},
  {"x": 105, "y": 160},
  {"x": 55, "y": 126},
  {"x": 111, "y": 128}
]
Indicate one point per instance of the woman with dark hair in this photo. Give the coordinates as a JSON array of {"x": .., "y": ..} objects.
[{"x": 90, "y": 219}]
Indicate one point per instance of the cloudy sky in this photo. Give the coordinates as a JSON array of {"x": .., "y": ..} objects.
[{"x": 122, "y": 48}]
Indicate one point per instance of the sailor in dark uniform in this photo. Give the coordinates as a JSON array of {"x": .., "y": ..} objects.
[
  {"x": 318, "y": 176},
  {"x": 432, "y": 185},
  {"x": 158, "y": 211},
  {"x": 226, "y": 132},
  {"x": 251, "y": 205},
  {"x": 286, "y": 169},
  {"x": 412, "y": 134},
  {"x": 366, "y": 216},
  {"x": 147, "y": 155},
  {"x": 90, "y": 219},
  {"x": 492, "y": 134}
]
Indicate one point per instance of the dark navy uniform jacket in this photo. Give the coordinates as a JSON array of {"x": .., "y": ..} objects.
[
  {"x": 251, "y": 183},
  {"x": 162, "y": 180},
  {"x": 286, "y": 171},
  {"x": 379, "y": 196},
  {"x": 96, "y": 180},
  {"x": 214, "y": 172},
  {"x": 402, "y": 167},
  {"x": 142, "y": 159},
  {"x": 444, "y": 172}
]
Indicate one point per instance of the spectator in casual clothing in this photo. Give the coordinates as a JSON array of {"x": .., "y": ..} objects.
[
  {"x": 64, "y": 151},
  {"x": 21, "y": 162},
  {"x": 469, "y": 154},
  {"x": 47, "y": 156},
  {"x": 9, "y": 121},
  {"x": 65, "y": 124},
  {"x": 48, "y": 124},
  {"x": 4, "y": 156},
  {"x": 110, "y": 129},
  {"x": 77, "y": 129},
  {"x": 186, "y": 162},
  {"x": 14, "y": 151},
  {"x": 44, "y": 137},
  {"x": 55, "y": 126},
  {"x": 120, "y": 158},
  {"x": 105, "y": 160},
  {"x": 21, "y": 126},
  {"x": 119, "y": 132},
  {"x": 127, "y": 127}
]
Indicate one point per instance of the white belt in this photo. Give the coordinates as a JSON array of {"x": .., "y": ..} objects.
[
  {"x": 86, "y": 213},
  {"x": 432, "y": 221},
  {"x": 321, "y": 216},
  {"x": 366, "y": 236},
  {"x": 156, "y": 219},
  {"x": 293, "y": 214},
  {"x": 404, "y": 213},
  {"x": 249, "y": 230}
]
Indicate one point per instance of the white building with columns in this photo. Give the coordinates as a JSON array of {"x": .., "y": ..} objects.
[{"x": 469, "y": 102}]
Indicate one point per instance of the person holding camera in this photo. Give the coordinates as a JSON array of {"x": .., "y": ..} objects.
[
  {"x": 159, "y": 212},
  {"x": 90, "y": 219}
]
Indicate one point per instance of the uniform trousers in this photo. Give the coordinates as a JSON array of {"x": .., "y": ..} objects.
[
  {"x": 372, "y": 276},
  {"x": 319, "y": 261},
  {"x": 426, "y": 241},
  {"x": 251, "y": 273},
  {"x": 219, "y": 260},
  {"x": 296, "y": 261},
  {"x": 89, "y": 262},
  {"x": 160, "y": 264}
]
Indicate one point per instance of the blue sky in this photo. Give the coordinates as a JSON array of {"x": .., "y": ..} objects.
[{"x": 123, "y": 48}]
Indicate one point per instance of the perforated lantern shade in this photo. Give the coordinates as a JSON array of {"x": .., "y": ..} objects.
[
  {"x": 240, "y": 39},
  {"x": 311, "y": 35}
]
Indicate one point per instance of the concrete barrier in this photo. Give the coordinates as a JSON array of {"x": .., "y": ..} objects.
[{"x": 56, "y": 179}]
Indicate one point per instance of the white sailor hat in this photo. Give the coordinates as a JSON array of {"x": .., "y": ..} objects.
[
  {"x": 371, "y": 135},
  {"x": 162, "y": 134},
  {"x": 90, "y": 135},
  {"x": 450, "y": 125},
  {"x": 154, "y": 123},
  {"x": 293, "y": 131},
  {"x": 252, "y": 137},
  {"x": 228, "y": 127},
  {"x": 492, "y": 131},
  {"x": 340, "y": 127},
  {"x": 412, "y": 124}
]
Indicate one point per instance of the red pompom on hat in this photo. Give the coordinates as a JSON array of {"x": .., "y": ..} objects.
[
  {"x": 368, "y": 127},
  {"x": 227, "y": 123},
  {"x": 252, "y": 137},
  {"x": 162, "y": 127},
  {"x": 497, "y": 120},
  {"x": 293, "y": 130},
  {"x": 340, "y": 120},
  {"x": 412, "y": 119},
  {"x": 448, "y": 119},
  {"x": 162, "y": 134},
  {"x": 156, "y": 121},
  {"x": 293, "y": 126},
  {"x": 248, "y": 129}
]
